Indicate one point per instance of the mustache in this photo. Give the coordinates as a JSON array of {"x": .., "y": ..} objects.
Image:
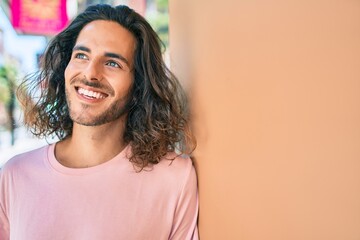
[{"x": 93, "y": 84}]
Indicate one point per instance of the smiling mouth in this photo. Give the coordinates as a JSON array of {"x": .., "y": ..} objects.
[{"x": 90, "y": 94}]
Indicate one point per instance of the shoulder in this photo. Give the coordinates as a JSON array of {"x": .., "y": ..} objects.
[
  {"x": 25, "y": 160},
  {"x": 174, "y": 171},
  {"x": 176, "y": 164}
]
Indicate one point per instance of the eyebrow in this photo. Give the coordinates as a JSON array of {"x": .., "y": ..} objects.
[{"x": 107, "y": 54}]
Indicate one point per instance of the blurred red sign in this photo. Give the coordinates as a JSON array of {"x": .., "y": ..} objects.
[{"x": 44, "y": 17}]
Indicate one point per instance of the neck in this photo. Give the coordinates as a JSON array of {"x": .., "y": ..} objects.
[{"x": 91, "y": 146}]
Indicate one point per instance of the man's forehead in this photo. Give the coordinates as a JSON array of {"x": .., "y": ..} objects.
[{"x": 107, "y": 37}]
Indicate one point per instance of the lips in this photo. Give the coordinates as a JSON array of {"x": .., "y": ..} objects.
[{"x": 90, "y": 94}]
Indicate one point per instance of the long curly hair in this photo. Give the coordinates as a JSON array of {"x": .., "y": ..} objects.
[{"x": 158, "y": 115}]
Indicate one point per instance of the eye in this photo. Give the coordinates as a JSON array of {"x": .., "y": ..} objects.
[
  {"x": 113, "y": 64},
  {"x": 80, "y": 56}
]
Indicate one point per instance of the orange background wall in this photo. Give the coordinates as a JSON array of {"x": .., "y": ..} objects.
[{"x": 275, "y": 91}]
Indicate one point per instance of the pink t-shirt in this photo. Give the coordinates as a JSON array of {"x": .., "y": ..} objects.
[{"x": 42, "y": 199}]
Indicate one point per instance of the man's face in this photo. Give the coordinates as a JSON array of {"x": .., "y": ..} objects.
[{"x": 99, "y": 76}]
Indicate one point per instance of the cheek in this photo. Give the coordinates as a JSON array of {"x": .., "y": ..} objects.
[
  {"x": 123, "y": 85},
  {"x": 67, "y": 73},
  {"x": 127, "y": 86},
  {"x": 71, "y": 70}
]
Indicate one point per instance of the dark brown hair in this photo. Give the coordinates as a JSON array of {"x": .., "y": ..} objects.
[{"x": 157, "y": 111}]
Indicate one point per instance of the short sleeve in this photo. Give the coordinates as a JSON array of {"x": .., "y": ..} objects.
[
  {"x": 186, "y": 214},
  {"x": 4, "y": 222}
]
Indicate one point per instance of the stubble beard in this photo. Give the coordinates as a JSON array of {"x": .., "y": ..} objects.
[{"x": 116, "y": 110}]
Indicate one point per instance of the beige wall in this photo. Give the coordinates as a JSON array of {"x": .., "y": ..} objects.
[{"x": 275, "y": 89}]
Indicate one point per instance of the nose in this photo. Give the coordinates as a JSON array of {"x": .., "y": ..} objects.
[{"x": 93, "y": 71}]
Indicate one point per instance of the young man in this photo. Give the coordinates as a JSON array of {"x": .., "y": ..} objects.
[{"x": 119, "y": 170}]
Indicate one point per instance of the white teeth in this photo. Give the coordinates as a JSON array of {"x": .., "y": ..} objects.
[{"x": 92, "y": 94}]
